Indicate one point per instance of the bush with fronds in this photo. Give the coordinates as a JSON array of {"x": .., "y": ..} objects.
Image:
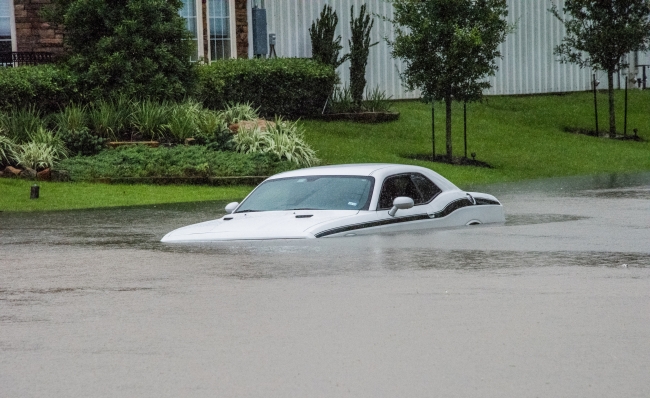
[{"x": 284, "y": 139}]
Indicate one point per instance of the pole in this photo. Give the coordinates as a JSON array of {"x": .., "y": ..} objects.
[
  {"x": 433, "y": 132},
  {"x": 625, "y": 117},
  {"x": 465, "y": 126},
  {"x": 595, "y": 102}
]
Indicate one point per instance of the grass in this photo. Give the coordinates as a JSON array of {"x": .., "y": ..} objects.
[
  {"x": 521, "y": 137},
  {"x": 14, "y": 195}
]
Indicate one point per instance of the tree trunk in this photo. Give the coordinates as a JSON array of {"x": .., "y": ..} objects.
[
  {"x": 448, "y": 127},
  {"x": 433, "y": 131},
  {"x": 612, "y": 110}
]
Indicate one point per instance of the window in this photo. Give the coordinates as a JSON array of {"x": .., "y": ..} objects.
[
  {"x": 415, "y": 186},
  {"x": 6, "y": 15},
  {"x": 311, "y": 193},
  {"x": 219, "y": 22},
  {"x": 188, "y": 11}
]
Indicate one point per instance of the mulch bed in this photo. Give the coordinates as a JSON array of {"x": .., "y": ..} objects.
[
  {"x": 456, "y": 160},
  {"x": 362, "y": 117},
  {"x": 603, "y": 134}
]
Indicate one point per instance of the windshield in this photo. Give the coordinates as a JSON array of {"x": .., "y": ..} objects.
[{"x": 311, "y": 193}]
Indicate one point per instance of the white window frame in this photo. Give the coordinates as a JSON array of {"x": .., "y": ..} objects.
[
  {"x": 233, "y": 30},
  {"x": 12, "y": 26},
  {"x": 198, "y": 4}
]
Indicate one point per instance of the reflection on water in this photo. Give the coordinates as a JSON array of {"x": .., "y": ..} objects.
[
  {"x": 92, "y": 303},
  {"x": 535, "y": 230}
]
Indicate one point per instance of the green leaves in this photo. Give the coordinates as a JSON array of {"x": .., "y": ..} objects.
[
  {"x": 291, "y": 87},
  {"x": 449, "y": 46},
  {"x": 283, "y": 139},
  {"x": 140, "y": 48},
  {"x": 361, "y": 27},
  {"x": 325, "y": 48},
  {"x": 600, "y": 33}
]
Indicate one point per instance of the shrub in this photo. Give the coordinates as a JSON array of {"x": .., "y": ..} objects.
[
  {"x": 359, "y": 51},
  {"x": 184, "y": 120},
  {"x": 73, "y": 117},
  {"x": 82, "y": 142},
  {"x": 7, "y": 148},
  {"x": 36, "y": 155},
  {"x": 140, "y": 48},
  {"x": 150, "y": 118},
  {"x": 324, "y": 47},
  {"x": 284, "y": 140},
  {"x": 341, "y": 100},
  {"x": 235, "y": 113},
  {"x": 43, "y": 136},
  {"x": 110, "y": 118},
  {"x": 19, "y": 124},
  {"x": 178, "y": 161},
  {"x": 377, "y": 101},
  {"x": 289, "y": 87},
  {"x": 44, "y": 87}
]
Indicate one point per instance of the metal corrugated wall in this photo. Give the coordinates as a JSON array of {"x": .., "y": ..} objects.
[{"x": 528, "y": 65}]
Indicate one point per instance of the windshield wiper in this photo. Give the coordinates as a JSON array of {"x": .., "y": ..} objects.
[
  {"x": 305, "y": 208},
  {"x": 248, "y": 211}
]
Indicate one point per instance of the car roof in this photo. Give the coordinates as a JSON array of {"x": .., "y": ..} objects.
[
  {"x": 363, "y": 169},
  {"x": 378, "y": 170}
]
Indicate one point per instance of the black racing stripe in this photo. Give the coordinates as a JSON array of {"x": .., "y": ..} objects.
[
  {"x": 450, "y": 208},
  {"x": 372, "y": 224},
  {"x": 484, "y": 201}
]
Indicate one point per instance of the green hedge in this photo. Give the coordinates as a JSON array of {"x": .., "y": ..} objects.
[
  {"x": 178, "y": 161},
  {"x": 290, "y": 87},
  {"x": 47, "y": 87}
]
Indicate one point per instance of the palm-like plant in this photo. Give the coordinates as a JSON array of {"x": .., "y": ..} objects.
[
  {"x": 19, "y": 123},
  {"x": 183, "y": 120},
  {"x": 150, "y": 119},
  {"x": 235, "y": 113},
  {"x": 7, "y": 148},
  {"x": 284, "y": 139}
]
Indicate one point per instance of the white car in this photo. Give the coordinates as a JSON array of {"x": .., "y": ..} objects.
[{"x": 346, "y": 200}]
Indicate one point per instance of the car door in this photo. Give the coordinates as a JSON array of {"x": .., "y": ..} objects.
[{"x": 415, "y": 186}]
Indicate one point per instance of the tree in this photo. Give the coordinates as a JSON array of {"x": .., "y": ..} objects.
[
  {"x": 600, "y": 32},
  {"x": 359, "y": 51},
  {"x": 449, "y": 48},
  {"x": 325, "y": 48},
  {"x": 140, "y": 48}
]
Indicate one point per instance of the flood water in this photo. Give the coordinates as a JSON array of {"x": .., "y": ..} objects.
[{"x": 555, "y": 303}]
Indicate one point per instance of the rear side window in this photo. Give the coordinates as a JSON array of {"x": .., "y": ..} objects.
[
  {"x": 415, "y": 186},
  {"x": 427, "y": 188}
]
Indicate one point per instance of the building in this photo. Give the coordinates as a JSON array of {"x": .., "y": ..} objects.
[{"x": 223, "y": 29}]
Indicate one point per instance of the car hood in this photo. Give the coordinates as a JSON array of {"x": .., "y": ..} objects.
[{"x": 263, "y": 225}]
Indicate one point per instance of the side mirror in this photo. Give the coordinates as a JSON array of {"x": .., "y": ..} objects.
[
  {"x": 401, "y": 203},
  {"x": 230, "y": 207}
]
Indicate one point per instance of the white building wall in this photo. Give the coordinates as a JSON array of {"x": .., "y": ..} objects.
[{"x": 528, "y": 65}]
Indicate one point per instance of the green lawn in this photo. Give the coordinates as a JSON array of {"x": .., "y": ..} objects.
[
  {"x": 14, "y": 195},
  {"x": 521, "y": 137}
]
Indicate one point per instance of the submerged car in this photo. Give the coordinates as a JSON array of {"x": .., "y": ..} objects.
[{"x": 346, "y": 200}]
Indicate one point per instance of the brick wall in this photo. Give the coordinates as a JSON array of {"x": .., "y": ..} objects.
[
  {"x": 32, "y": 33},
  {"x": 241, "y": 28}
]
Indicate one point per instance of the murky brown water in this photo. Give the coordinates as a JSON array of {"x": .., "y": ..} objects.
[{"x": 556, "y": 302}]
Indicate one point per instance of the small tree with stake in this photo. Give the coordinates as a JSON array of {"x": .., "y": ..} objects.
[
  {"x": 449, "y": 48},
  {"x": 600, "y": 33},
  {"x": 359, "y": 51},
  {"x": 325, "y": 48}
]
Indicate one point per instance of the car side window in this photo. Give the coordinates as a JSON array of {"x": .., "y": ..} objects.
[
  {"x": 427, "y": 189},
  {"x": 395, "y": 186}
]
